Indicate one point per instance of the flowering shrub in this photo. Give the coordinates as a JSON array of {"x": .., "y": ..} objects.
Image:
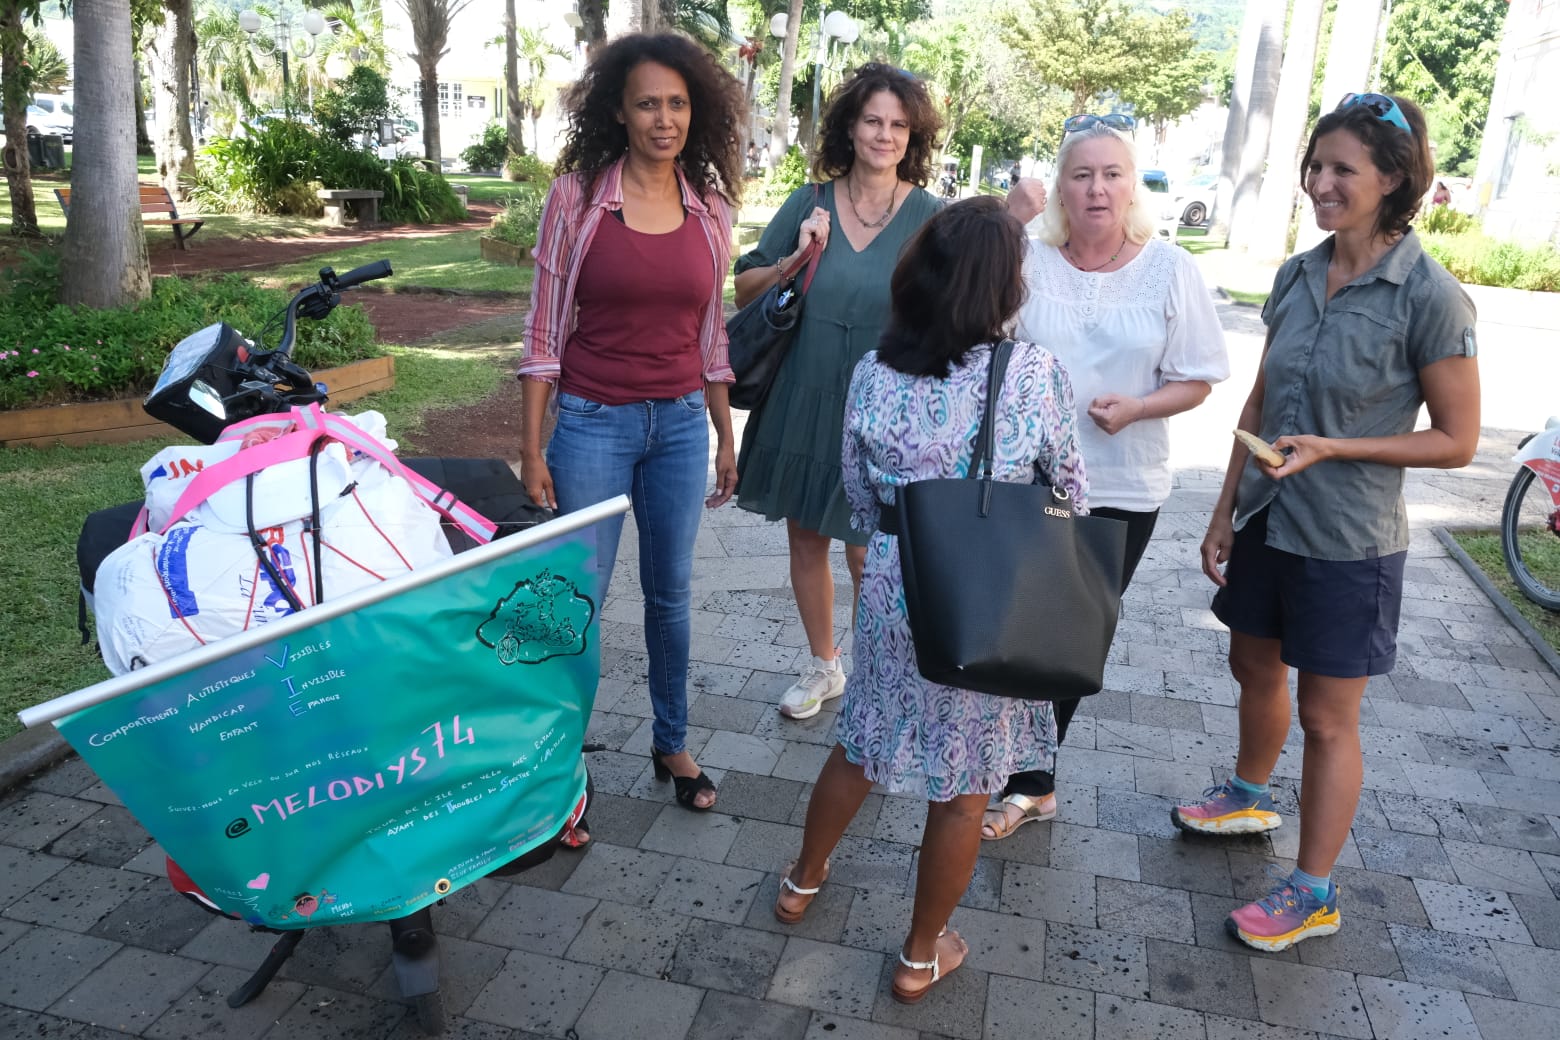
[
  {"x": 51, "y": 354},
  {"x": 519, "y": 220}
]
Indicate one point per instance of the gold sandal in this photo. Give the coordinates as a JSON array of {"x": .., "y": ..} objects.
[{"x": 1000, "y": 823}]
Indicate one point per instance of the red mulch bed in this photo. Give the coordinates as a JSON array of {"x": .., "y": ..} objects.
[{"x": 485, "y": 428}]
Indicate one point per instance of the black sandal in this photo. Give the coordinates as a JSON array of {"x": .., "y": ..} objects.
[{"x": 688, "y": 787}]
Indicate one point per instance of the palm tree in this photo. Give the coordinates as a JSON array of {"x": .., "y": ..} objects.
[
  {"x": 514, "y": 118},
  {"x": 103, "y": 260},
  {"x": 430, "y": 20},
  {"x": 707, "y": 21},
  {"x": 15, "y": 90},
  {"x": 1256, "y": 78},
  {"x": 1259, "y": 123},
  {"x": 1350, "y": 58},
  {"x": 533, "y": 50},
  {"x": 358, "y": 34},
  {"x": 1276, "y": 203},
  {"x": 229, "y": 73},
  {"x": 782, "y": 128},
  {"x": 170, "y": 55}
]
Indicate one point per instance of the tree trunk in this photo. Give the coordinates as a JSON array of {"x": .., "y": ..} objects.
[
  {"x": 103, "y": 261},
  {"x": 594, "y": 15},
  {"x": 13, "y": 102},
  {"x": 1259, "y": 123},
  {"x": 1349, "y": 57},
  {"x": 171, "y": 53},
  {"x": 514, "y": 118},
  {"x": 143, "y": 136},
  {"x": 1235, "y": 122},
  {"x": 1276, "y": 203},
  {"x": 780, "y": 133},
  {"x": 626, "y": 16},
  {"x": 428, "y": 70}
]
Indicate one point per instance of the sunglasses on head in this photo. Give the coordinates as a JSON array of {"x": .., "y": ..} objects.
[
  {"x": 1380, "y": 106},
  {"x": 1115, "y": 120},
  {"x": 883, "y": 68}
]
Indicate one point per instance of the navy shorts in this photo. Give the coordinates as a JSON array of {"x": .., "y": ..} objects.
[{"x": 1332, "y": 617}]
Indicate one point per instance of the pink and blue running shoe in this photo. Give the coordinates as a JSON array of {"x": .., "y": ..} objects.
[
  {"x": 1226, "y": 810},
  {"x": 1284, "y": 916}
]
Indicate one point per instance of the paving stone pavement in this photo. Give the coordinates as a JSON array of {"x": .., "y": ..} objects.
[{"x": 1105, "y": 923}]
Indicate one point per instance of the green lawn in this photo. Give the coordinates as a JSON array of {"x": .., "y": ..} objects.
[
  {"x": 1483, "y": 547},
  {"x": 46, "y": 493},
  {"x": 487, "y": 189},
  {"x": 448, "y": 261}
]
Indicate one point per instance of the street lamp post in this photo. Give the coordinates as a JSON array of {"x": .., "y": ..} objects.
[
  {"x": 836, "y": 25},
  {"x": 280, "y": 37}
]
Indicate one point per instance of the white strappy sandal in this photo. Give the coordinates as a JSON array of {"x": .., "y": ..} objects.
[
  {"x": 795, "y": 916},
  {"x": 905, "y": 996}
]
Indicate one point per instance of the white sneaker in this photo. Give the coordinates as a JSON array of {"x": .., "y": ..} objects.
[{"x": 822, "y": 681}]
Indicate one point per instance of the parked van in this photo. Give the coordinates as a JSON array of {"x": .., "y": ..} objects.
[{"x": 61, "y": 113}]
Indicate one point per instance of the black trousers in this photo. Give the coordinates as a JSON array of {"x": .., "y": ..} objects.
[{"x": 1140, "y": 528}]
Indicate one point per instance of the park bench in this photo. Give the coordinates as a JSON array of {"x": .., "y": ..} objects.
[
  {"x": 154, "y": 199},
  {"x": 365, "y": 204}
]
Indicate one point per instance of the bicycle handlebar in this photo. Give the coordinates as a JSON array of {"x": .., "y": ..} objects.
[
  {"x": 366, "y": 273},
  {"x": 318, "y": 300}
]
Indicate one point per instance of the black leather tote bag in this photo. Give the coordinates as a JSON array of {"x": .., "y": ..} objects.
[
  {"x": 1008, "y": 591},
  {"x": 760, "y": 333}
]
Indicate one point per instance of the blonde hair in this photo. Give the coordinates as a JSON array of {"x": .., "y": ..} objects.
[{"x": 1139, "y": 224}]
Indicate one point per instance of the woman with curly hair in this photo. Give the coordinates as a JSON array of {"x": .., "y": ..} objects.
[
  {"x": 626, "y": 337},
  {"x": 874, "y": 157}
]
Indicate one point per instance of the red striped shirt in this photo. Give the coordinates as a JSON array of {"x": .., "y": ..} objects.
[{"x": 564, "y": 239}]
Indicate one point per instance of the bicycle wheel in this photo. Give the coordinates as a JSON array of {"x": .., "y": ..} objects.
[{"x": 1530, "y": 539}]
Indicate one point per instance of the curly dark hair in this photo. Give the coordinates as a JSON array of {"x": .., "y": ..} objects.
[
  {"x": 712, "y": 157},
  {"x": 1393, "y": 151},
  {"x": 958, "y": 283},
  {"x": 835, "y": 155}
]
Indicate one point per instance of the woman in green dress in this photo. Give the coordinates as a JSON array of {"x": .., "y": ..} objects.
[{"x": 874, "y": 156}]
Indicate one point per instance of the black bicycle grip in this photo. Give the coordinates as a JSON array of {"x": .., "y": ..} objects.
[{"x": 366, "y": 273}]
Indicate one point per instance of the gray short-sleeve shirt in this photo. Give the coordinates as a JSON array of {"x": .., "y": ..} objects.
[{"x": 1349, "y": 367}]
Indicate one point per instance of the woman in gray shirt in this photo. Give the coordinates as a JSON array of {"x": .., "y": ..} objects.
[{"x": 1362, "y": 330}]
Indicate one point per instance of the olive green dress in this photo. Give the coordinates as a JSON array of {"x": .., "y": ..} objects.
[{"x": 790, "y": 460}]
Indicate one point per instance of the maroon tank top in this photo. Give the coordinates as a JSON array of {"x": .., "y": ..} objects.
[{"x": 641, "y": 301}]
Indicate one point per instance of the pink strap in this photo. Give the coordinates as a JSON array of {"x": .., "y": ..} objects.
[
  {"x": 253, "y": 459},
  {"x": 457, "y": 512},
  {"x": 310, "y": 424}
]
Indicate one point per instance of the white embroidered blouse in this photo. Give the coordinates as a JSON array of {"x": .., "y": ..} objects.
[{"x": 1129, "y": 331}]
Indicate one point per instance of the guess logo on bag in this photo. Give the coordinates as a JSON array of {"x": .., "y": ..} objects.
[{"x": 1065, "y": 514}]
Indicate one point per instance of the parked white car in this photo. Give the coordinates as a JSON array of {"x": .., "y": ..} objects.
[
  {"x": 1158, "y": 184},
  {"x": 60, "y": 113},
  {"x": 1194, "y": 199},
  {"x": 41, "y": 121}
]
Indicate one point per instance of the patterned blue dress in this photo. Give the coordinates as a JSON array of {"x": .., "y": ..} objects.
[{"x": 908, "y": 733}]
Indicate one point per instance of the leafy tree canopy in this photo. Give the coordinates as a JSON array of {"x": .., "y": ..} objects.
[
  {"x": 1087, "y": 47},
  {"x": 355, "y": 107},
  {"x": 1443, "y": 56},
  {"x": 1171, "y": 85}
]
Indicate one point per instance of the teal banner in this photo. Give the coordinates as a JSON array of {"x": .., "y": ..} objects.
[{"x": 363, "y": 767}]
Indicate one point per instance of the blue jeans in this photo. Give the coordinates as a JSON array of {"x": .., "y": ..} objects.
[{"x": 657, "y": 452}]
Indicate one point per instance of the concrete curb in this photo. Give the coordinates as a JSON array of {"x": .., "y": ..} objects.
[
  {"x": 1501, "y": 603},
  {"x": 28, "y": 752}
]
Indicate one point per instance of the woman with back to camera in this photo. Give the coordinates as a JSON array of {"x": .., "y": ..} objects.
[
  {"x": 1362, "y": 330},
  {"x": 626, "y": 335},
  {"x": 874, "y": 158},
  {"x": 1133, "y": 322},
  {"x": 913, "y": 410}
]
